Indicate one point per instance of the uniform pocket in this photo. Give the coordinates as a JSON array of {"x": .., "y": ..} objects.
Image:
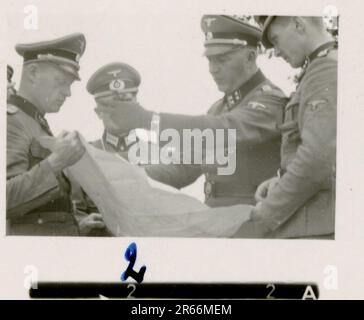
[
  {"x": 290, "y": 128},
  {"x": 37, "y": 151},
  {"x": 291, "y": 137}
]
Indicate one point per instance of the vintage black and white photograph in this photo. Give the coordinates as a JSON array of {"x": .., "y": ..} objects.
[
  {"x": 179, "y": 123},
  {"x": 267, "y": 156}
]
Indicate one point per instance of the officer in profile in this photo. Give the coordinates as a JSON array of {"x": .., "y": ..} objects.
[
  {"x": 300, "y": 203},
  {"x": 37, "y": 191},
  {"x": 252, "y": 105},
  {"x": 111, "y": 83}
]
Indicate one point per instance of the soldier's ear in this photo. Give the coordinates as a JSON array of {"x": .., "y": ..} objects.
[
  {"x": 32, "y": 72},
  {"x": 252, "y": 55}
]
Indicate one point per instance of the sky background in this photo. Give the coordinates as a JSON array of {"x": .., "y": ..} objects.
[{"x": 164, "y": 46}]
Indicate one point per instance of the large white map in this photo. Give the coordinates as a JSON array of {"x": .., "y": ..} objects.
[{"x": 134, "y": 205}]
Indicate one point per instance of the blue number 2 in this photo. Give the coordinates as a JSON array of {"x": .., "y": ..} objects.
[{"x": 131, "y": 255}]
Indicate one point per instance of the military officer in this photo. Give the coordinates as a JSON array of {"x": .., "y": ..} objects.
[
  {"x": 116, "y": 81},
  {"x": 110, "y": 84},
  {"x": 38, "y": 193},
  {"x": 252, "y": 105},
  {"x": 113, "y": 82},
  {"x": 300, "y": 203}
]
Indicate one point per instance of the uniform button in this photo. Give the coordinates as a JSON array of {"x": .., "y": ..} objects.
[
  {"x": 40, "y": 221},
  {"x": 208, "y": 188}
]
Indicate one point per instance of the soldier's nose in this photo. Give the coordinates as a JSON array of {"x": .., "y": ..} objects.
[{"x": 67, "y": 92}]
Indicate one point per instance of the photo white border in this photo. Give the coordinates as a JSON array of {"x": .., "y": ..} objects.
[{"x": 215, "y": 260}]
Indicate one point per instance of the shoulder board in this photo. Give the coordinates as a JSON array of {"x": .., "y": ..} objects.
[{"x": 11, "y": 109}]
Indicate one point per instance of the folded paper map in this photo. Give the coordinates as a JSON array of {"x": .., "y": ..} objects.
[{"x": 134, "y": 205}]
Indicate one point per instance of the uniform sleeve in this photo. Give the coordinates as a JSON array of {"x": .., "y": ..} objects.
[
  {"x": 313, "y": 167},
  {"x": 26, "y": 189},
  {"x": 255, "y": 122},
  {"x": 175, "y": 175}
]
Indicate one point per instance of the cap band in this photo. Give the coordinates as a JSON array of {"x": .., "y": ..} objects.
[
  {"x": 127, "y": 84},
  {"x": 62, "y": 63},
  {"x": 214, "y": 37},
  {"x": 65, "y": 65},
  {"x": 33, "y": 55},
  {"x": 224, "y": 42}
]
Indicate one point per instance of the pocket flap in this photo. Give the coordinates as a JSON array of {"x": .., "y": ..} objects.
[{"x": 37, "y": 151}]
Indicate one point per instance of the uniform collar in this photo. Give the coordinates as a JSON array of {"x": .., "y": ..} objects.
[
  {"x": 234, "y": 98},
  {"x": 321, "y": 51},
  {"x": 31, "y": 110}
]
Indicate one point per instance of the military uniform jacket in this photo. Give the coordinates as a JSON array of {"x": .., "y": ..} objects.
[
  {"x": 303, "y": 202},
  {"x": 38, "y": 201},
  {"x": 254, "y": 111}
]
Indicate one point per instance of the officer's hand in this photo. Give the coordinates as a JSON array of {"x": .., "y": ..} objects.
[
  {"x": 264, "y": 188},
  {"x": 68, "y": 150},
  {"x": 124, "y": 117},
  {"x": 92, "y": 221}
]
